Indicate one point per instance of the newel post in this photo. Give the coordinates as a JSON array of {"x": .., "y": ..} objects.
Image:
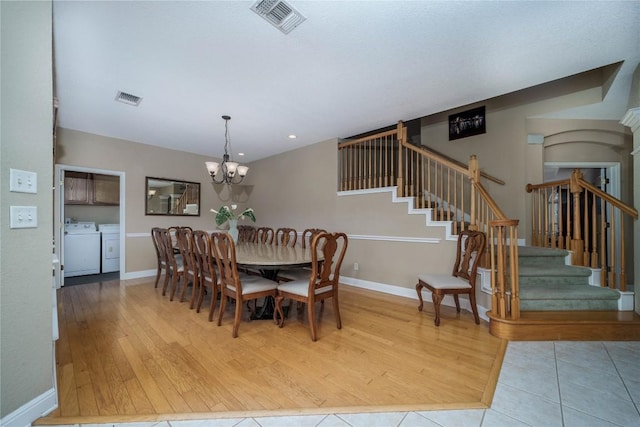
[
  {"x": 400, "y": 180},
  {"x": 577, "y": 244}
]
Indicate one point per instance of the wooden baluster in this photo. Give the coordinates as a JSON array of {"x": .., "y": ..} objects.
[
  {"x": 612, "y": 245},
  {"x": 400, "y": 182},
  {"x": 577, "y": 244},
  {"x": 545, "y": 205},
  {"x": 449, "y": 194},
  {"x": 569, "y": 216},
  {"x": 603, "y": 244},
  {"x": 560, "y": 228},
  {"x": 539, "y": 215},
  {"x": 594, "y": 234},
  {"x": 455, "y": 203},
  {"x": 463, "y": 225},
  {"x": 623, "y": 274},
  {"x": 585, "y": 237},
  {"x": 513, "y": 269},
  {"x": 429, "y": 189}
]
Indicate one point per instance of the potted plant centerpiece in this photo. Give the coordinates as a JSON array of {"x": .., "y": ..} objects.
[{"x": 226, "y": 214}]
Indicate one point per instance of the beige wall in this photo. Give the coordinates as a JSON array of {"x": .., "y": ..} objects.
[{"x": 26, "y": 349}]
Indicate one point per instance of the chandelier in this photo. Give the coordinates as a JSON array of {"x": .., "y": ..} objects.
[{"x": 227, "y": 172}]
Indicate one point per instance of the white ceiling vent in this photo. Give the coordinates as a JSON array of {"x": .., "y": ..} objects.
[
  {"x": 280, "y": 14},
  {"x": 127, "y": 98}
]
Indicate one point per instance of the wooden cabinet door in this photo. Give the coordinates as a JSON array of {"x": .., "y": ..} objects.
[
  {"x": 106, "y": 189},
  {"x": 77, "y": 188}
]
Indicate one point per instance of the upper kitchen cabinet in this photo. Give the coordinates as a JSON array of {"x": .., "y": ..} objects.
[{"x": 82, "y": 188}]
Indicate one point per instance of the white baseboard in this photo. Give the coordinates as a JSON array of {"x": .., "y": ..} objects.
[
  {"x": 409, "y": 293},
  {"x": 139, "y": 274},
  {"x": 31, "y": 411}
]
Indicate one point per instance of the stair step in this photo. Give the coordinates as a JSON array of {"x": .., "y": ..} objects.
[
  {"x": 534, "y": 256},
  {"x": 568, "y": 298},
  {"x": 553, "y": 275}
]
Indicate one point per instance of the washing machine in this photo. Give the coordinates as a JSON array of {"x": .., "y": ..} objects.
[
  {"x": 110, "y": 247},
  {"x": 81, "y": 249}
]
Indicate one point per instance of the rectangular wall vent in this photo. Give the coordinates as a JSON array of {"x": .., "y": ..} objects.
[
  {"x": 127, "y": 98},
  {"x": 278, "y": 13}
]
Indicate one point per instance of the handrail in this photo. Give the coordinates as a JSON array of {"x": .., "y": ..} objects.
[
  {"x": 459, "y": 163},
  {"x": 574, "y": 214},
  {"x": 450, "y": 190},
  {"x": 629, "y": 210}
]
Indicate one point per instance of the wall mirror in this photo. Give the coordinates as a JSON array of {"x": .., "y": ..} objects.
[{"x": 164, "y": 196}]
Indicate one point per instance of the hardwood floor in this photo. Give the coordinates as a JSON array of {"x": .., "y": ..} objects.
[{"x": 126, "y": 353}]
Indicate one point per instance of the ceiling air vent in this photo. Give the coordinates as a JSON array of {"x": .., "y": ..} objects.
[
  {"x": 127, "y": 98},
  {"x": 281, "y": 15}
]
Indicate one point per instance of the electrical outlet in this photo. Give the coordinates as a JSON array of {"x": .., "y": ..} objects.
[
  {"x": 23, "y": 181},
  {"x": 356, "y": 266},
  {"x": 24, "y": 217}
]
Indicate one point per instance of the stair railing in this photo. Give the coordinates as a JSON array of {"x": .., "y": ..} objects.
[
  {"x": 451, "y": 190},
  {"x": 575, "y": 215},
  {"x": 188, "y": 197}
]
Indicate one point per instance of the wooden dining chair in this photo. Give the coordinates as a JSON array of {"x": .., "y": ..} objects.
[
  {"x": 246, "y": 233},
  {"x": 303, "y": 272},
  {"x": 233, "y": 286},
  {"x": 462, "y": 280},
  {"x": 264, "y": 235},
  {"x": 321, "y": 283},
  {"x": 161, "y": 257},
  {"x": 209, "y": 280},
  {"x": 286, "y": 236},
  {"x": 184, "y": 238},
  {"x": 175, "y": 267},
  {"x": 307, "y": 235}
]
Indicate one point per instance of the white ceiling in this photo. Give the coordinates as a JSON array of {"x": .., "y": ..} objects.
[{"x": 351, "y": 67}]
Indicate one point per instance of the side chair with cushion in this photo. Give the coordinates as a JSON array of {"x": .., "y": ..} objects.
[
  {"x": 156, "y": 237},
  {"x": 462, "y": 280},
  {"x": 321, "y": 282},
  {"x": 233, "y": 286},
  {"x": 300, "y": 273},
  {"x": 286, "y": 236},
  {"x": 184, "y": 236},
  {"x": 246, "y": 233},
  {"x": 175, "y": 268},
  {"x": 207, "y": 267},
  {"x": 264, "y": 235}
]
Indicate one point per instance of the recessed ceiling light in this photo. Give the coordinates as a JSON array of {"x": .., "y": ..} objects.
[
  {"x": 292, "y": 136},
  {"x": 240, "y": 154}
]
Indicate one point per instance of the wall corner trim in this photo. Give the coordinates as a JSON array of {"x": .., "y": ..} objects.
[{"x": 29, "y": 412}]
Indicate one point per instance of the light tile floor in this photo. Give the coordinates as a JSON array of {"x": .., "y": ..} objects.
[{"x": 547, "y": 384}]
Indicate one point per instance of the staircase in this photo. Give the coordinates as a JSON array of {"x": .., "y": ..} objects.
[{"x": 548, "y": 284}]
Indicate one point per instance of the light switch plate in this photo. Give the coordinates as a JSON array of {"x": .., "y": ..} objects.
[
  {"x": 23, "y": 181},
  {"x": 24, "y": 217}
]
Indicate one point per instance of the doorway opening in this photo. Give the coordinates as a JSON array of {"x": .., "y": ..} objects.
[{"x": 95, "y": 197}]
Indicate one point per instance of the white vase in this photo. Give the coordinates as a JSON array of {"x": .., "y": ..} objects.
[{"x": 233, "y": 229}]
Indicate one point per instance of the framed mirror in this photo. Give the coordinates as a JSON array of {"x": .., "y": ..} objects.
[{"x": 164, "y": 196}]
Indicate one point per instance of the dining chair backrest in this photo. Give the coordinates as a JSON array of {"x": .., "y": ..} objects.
[
  {"x": 224, "y": 251},
  {"x": 184, "y": 238},
  {"x": 307, "y": 235},
  {"x": 286, "y": 236},
  {"x": 333, "y": 247},
  {"x": 158, "y": 244},
  {"x": 264, "y": 235},
  {"x": 246, "y": 233},
  {"x": 204, "y": 254}
]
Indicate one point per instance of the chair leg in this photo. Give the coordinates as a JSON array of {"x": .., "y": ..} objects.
[
  {"x": 419, "y": 287},
  {"x": 158, "y": 274},
  {"x": 237, "y": 318},
  {"x": 201, "y": 295},
  {"x": 214, "y": 299},
  {"x": 312, "y": 319},
  {"x": 336, "y": 309},
  {"x": 436, "y": 305},
  {"x": 167, "y": 275},
  {"x": 457, "y": 300},
  {"x": 174, "y": 285},
  {"x": 223, "y": 303},
  {"x": 195, "y": 292},
  {"x": 474, "y": 308},
  {"x": 278, "y": 312}
]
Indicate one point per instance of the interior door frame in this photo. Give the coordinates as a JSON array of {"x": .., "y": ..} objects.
[{"x": 58, "y": 213}]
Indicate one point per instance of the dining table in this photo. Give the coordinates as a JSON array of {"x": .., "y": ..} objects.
[{"x": 268, "y": 260}]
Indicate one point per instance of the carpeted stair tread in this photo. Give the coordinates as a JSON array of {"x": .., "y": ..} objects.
[
  {"x": 557, "y": 271},
  {"x": 527, "y": 251},
  {"x": 567, "y": 298}
]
